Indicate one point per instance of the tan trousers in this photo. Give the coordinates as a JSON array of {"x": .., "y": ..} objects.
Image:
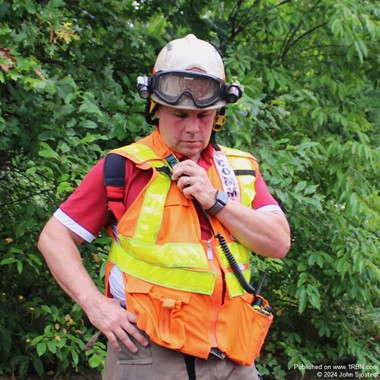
[{"x": 158, "y": 363}]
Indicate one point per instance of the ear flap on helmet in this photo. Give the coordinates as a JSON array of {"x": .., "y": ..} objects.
[
  {"x": 220, "y": 119},
  {"x": 150, "y": 110}
]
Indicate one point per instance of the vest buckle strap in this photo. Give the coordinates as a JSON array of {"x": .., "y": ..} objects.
[{"x": 216, "y": 352}]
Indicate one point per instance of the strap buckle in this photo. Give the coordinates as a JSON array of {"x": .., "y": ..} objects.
[{"x": 216, "y": 352}]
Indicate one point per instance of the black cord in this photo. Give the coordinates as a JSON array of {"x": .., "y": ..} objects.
[
  {"x": 234, "y": 265},
  {"x": 227, "y": 252}
]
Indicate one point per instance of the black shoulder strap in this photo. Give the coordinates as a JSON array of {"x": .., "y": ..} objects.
[{"x": 114, "y": 181}]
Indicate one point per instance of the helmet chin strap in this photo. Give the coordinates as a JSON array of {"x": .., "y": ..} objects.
[{"x": 213, "y": 141}]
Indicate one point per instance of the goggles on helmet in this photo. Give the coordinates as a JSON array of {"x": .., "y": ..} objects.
[
  {"x": 204, "y": 90},
  {"x": 170, "y": 86}
]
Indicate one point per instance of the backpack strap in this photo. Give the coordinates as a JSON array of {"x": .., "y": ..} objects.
[{"x": 114, "y": 181}]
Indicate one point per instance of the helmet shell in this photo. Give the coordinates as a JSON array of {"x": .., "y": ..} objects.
[{"x": 193, "y": 54}]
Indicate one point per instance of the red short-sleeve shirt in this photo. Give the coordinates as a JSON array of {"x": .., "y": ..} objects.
[{"x": 85, "y": 211}]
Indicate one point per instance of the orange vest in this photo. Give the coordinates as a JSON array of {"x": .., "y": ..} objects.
[{"x": 182, "y": 288}]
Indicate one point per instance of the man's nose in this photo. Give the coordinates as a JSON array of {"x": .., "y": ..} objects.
[{"x": 192, "y": 124}]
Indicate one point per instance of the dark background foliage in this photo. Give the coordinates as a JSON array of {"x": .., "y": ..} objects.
[{"x": 310, "y": 114}]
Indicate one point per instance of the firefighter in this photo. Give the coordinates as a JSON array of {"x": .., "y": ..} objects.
[{"x": 179, "y": 208}]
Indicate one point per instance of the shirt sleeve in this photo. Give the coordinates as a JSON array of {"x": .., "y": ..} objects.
[
  {"x": 264, "y": 201},
  {"x": 85, "y": 210}
]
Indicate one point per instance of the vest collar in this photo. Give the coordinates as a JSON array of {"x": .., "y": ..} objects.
[{"x": 160, "y": 148}]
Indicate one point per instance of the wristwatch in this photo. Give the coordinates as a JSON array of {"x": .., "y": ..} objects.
[{"x": 221, "y": 199}]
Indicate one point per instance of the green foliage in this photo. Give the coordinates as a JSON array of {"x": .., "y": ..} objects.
[{"x": 310, "y": 114}]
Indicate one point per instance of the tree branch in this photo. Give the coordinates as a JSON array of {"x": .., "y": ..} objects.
[
  {"x": 290, "y": 45},
  {"x": 236, "y": 27},
  {"x": 23, "y": 198},
  {"x": 282, "y": 3},
  {"x": 285, "y": 45},
  {"x": 288, "y": 41}
]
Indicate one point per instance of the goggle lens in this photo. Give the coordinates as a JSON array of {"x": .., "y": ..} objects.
[{"x": 205, "y": 90}]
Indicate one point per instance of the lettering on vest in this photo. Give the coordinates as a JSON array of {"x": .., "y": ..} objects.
[{"x": 227, "y": 175}]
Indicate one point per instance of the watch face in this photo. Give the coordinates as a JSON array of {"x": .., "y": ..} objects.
[{"x": 222, "y": 197}]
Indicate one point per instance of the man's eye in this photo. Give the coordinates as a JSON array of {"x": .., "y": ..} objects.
[{"x": 180, "y": 115}]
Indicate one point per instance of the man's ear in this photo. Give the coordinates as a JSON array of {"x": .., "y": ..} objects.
[{"x": 157, "y": 111}]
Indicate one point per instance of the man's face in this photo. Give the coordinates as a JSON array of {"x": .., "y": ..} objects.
[{"x": 186, "y": 131}]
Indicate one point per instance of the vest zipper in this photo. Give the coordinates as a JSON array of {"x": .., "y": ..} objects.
[
  {"x": 215, "y": 303},
  {"x": 210, "y": 254}
]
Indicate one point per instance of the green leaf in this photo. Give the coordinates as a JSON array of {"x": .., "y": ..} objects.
[
  {"x": 302, "y": 300},
  {"x": 88, "y": 124},
  {"x": 95, "y": 361},
  {"x": 41, "y": 348},
  {"x": 9, "y": 260},
  {"x": 314, "y": 296},
  {"x": 90, "y": 108},
  {"x": 75, "y": 357},
  {"x": 300, "y": 186},
  {"x": 20, "y": 267},
  {"x": 52, "y": 346},
  {"x": 64, "y": 187},
  {"x": 47, "y": 152}
]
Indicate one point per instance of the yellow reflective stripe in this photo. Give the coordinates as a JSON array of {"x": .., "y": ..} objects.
[
  {"x": 247, "y": 186},
  {"x": 240, "y": 253},
  {"x": 202, "y": 282},
  {"x": 170, "y": 254},
  {"x": 233, "y": 285},
  {"x": 142, "y": 152},
  {"x": 153, "y": 205},
  {"x": 235, "y": 152},
  {"x": 152, "y": 210}
]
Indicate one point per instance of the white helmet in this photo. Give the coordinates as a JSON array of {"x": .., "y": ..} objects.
[
  {"x": 189, "y": 74},
  {"x": 190, "y": 53}
]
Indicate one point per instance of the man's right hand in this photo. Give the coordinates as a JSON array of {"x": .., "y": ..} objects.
[{"x": 116, "y": 323}]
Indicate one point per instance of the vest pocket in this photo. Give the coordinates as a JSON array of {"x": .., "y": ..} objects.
[
  {"x": 160, "y": 311},
  {"x": 242, "y": 330},
  {"x": 260, "y": 324}
]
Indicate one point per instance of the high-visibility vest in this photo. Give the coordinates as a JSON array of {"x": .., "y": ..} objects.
[{"x": 169, "y": 270}]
